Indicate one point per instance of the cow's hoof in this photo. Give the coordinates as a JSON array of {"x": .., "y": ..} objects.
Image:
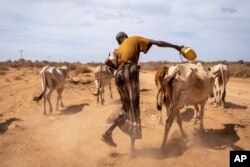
[
  {"x": 132, "y": 154},
  {"x": 158, "y": 107}
]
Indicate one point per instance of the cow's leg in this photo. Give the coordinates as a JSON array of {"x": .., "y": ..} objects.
[
  {"x": 179, "y": 121},
  {"x": 202, "y": 116},
  {"x": 98, "y": 96},
  {"x": 223, "y": 97},
  {"x": 48, "y": 98},
  {"x": 59, "y": 97},
  {"x": 110, "y": 90},
  {"x": 196, "y": 113},
  {"x": 168, "y": 125},
  {"x": 217, "y": 98},
  {"x": 44, "y": 103},
  {"x": 97, "y": 91},
  {"x": 102, "y": 94}
]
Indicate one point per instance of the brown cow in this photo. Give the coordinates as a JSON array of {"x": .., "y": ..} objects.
[
  {"x": 162, "y": 97},
  {"x": 186, "y": 84}
]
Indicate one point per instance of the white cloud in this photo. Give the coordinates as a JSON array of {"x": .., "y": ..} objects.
[{"x": 77, "y": 30}]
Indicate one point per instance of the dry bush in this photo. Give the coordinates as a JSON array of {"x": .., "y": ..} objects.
[
  {"x": 239, "y": 70},
  {"x": 17, "y": 78},
  {"x": 83, "y": 69},
  {"x": 4, "y": 67},
  {"x": 7, "y": 80},
  {"x": 94, "y": 64},
  {"x": 39, "y": 64},
  {"x": 15, "y": 64},
  {"x": 2, "y": 72}
]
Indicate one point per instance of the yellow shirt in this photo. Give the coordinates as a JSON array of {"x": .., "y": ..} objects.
[{"x": 131, "y": 47}]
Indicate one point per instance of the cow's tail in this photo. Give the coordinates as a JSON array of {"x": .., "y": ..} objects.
[
  {"x": 44, "y": 85},
  {"x": 159, "y": 99},
  {"x": 224, "y": 84},
  {"x": 97, "y": 92},
  {"x": 98, "y": 82}
]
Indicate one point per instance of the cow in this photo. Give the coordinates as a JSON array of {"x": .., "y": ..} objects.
[
  {"x": 186, "y": 84},
  {"x": 221, "y": 79},
  {"x": 162, "y": 98},
  {"x": 103, "y": 75},
  {"x": 54, "y": 79}
]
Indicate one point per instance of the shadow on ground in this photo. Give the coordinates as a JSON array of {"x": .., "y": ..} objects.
[
  {"x": 4, "y": 125},
  {"x": 73, "y": 109},
  {"x": 187, "y": 115},
  {"x": 234, "y": 106},
  {"x": 176, "y": 147},
  {"x": 219, "y": 138}
]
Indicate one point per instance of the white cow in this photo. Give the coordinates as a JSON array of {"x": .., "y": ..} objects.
[
  {"x": 53, "y": 79},
  {"x": 221, "y": 79},
  {"x": 186, "y": 84},
  {"x": 162, "y": 97},
  {"x": 103, "y": 76}
]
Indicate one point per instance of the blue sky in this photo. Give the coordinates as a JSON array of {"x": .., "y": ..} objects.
[{"x": 84, "y": 30}]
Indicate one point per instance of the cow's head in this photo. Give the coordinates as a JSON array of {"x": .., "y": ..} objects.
[
  {"x": 211, "y": 77},
  {"x": 64, "y": 70},
  {"x": 112, "y": 60}
]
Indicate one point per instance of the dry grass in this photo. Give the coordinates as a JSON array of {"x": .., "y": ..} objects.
[
  {"x": 2, "y": 73},
  {"x": 237, "y": 69},
  {"x": 4, "y": 67},
  {"x": 17, "y": 78},
  {"x": 83, "y": 69}
]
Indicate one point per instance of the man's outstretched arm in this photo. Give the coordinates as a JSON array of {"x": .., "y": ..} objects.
[{"x": 165, "y": 44}]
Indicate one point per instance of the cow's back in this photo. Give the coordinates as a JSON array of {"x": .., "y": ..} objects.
[
  {"x": 189, "y": 83},
  {"x": 55, "y": 75}
]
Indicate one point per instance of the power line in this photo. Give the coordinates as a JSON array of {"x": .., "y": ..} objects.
[{"x": 21, "y": 51}]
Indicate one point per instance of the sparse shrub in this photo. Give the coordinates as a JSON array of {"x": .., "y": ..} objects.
[
  {"x": 72, "y": 67},
  {"x": 17, "y": 78},
  {"x": 83, "y": 69},
  {"x": 2, "y": 72},
  {"x": 15, "y": 64},
  {"x": 4, "y": 67},
  {"x": 241, "y": 62},
  {"x": 7, "y": 80}
]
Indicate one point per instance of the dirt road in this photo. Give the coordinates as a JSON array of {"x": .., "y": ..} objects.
[{"x": 71, "y": 136}]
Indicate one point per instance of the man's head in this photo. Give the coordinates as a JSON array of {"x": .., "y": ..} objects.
[{"x": 120, "y": 37}]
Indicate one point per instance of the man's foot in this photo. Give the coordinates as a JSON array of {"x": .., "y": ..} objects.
[{"x": 108, "y": 140}]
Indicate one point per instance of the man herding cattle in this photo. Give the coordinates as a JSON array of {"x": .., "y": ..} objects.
[
  {"x": 127, "y": 81},
  {"x": 53, "y": 79}
]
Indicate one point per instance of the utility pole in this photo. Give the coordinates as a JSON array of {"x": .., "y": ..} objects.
[{"x": 21, "y": 51}]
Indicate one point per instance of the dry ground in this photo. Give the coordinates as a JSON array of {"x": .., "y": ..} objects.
[{"x": 71, "y": 136}]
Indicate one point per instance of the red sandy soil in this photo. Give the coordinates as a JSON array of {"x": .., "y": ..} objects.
[{"x": 71, "y": 136}]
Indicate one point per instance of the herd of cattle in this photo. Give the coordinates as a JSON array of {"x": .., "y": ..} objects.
[{"x": 178, "y": 86}]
